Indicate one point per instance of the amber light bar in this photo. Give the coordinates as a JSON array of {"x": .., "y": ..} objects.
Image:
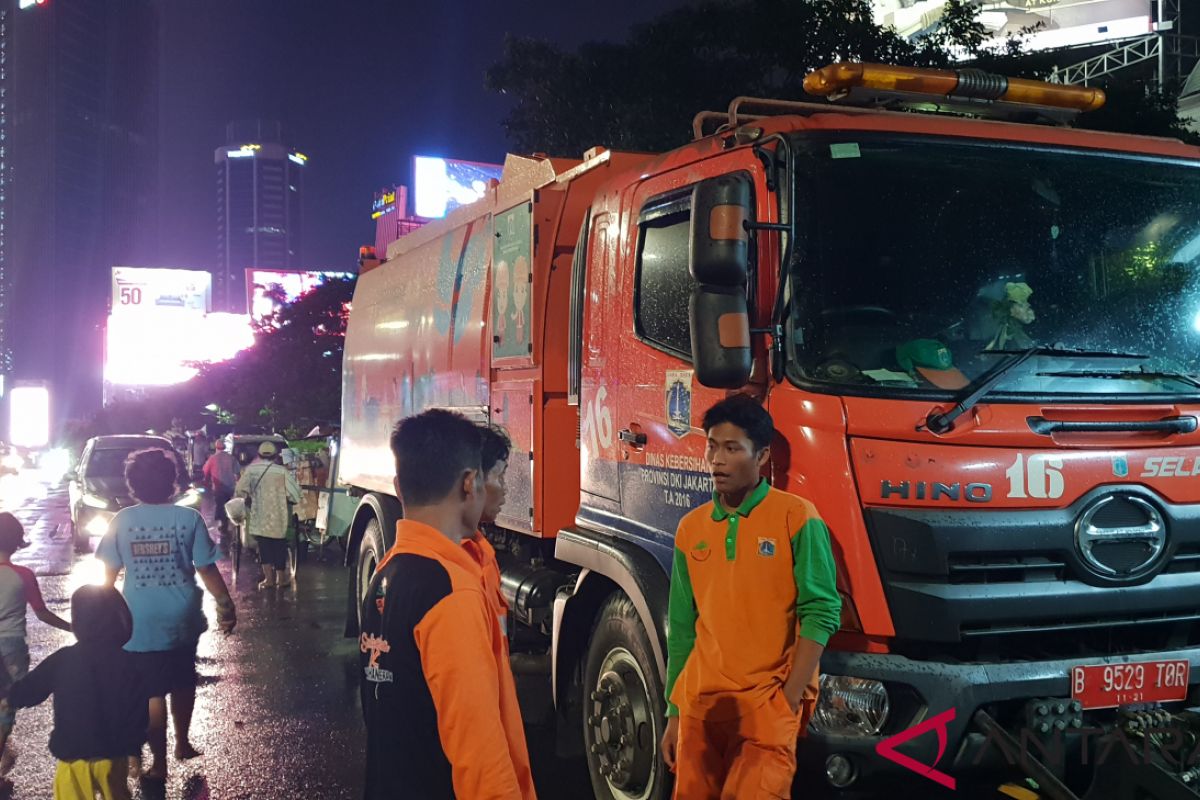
[{"x": 843, "y": 77}]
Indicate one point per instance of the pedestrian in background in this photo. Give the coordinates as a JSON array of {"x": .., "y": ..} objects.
[
  {"x": 161, "y": 547},
  {"x": 441, "y": 714},
  {"x": 199, "y": 452},
  {"x": 220, "y": 477},
  {"x": 101, "y": 696},
  {"x": 18, "y": 589},
  {"x": 753, "y": 601},
  {"x": 268, "y": 488}
]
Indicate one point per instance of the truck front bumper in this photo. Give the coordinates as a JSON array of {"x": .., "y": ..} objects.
[{"x": 939, "y": 687}]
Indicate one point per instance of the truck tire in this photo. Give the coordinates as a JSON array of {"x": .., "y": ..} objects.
[
  {"x": 623, "y": 709},
  {"x": 370, "y": 553}
]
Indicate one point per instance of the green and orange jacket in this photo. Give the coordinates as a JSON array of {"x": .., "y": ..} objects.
[
  {"x": 438, "y": 694},
  {"x": 744, "y": 584}
]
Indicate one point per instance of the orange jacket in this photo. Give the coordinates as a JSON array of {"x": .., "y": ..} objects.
[
  {"x": 481, "y": 550},
  {"x": 437, "y": 688},
  {"x": 745, "y": 583}
]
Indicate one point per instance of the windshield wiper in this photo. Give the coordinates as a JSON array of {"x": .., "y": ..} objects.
[
  {"x": 972, "y": 393},
  {"x": 1068, "y": 352},
  {"x": 1125, "y": 374}
]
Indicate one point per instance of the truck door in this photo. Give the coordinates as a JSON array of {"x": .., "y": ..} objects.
[
  {"x": 600, "y": 376},
  {"x": 660, "y": 406}
]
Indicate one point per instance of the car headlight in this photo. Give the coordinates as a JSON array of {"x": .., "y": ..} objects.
[
  {"x": 191, "y": 498},
  {"x": 97, "y": 525},
  {"x": 95, "y": 501},
  {"x": 850, "y": 707}
]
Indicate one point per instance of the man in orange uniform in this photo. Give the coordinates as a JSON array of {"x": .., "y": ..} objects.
[
  {"x": 495, "y": 449},
  {"x": 437, "y": 692},
  {"x": 753, "y": 602}
]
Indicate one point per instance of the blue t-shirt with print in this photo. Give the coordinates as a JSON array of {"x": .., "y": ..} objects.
[{"x": 160, "y": 547}]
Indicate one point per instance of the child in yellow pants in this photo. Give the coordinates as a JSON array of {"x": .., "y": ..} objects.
[
  {"x": 85, "y": 779},
  {"x": 101, "y": 699}
]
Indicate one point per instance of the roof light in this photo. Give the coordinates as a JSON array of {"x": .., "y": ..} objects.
[{"x": 838, "y": 79}]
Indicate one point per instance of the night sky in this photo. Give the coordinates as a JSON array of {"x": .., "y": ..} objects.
[{"x": 360, "y": 86}]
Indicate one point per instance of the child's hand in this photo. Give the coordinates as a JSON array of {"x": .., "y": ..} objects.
[{"x": 226, "y": 615}]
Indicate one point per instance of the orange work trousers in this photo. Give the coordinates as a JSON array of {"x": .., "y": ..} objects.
[{"x": 747, "y": 758}]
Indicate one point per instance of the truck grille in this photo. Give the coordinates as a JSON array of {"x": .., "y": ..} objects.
[{"x": 977, "y": 577}]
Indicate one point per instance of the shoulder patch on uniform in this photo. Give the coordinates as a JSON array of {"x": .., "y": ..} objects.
[{"x": 375, "y": 645}]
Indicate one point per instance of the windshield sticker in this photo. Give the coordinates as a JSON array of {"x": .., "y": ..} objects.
[{"x": 845, "y": 150}]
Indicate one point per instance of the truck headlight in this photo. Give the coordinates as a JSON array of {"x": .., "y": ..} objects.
[
  {"x": 97, "y": 525},
  {"x": 850, "y": 707},
  {"x": 190, "y": 498},
  {"x": 95, "y": 501}
]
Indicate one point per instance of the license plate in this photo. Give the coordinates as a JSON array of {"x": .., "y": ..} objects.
[{"x": 1112, "y": 685}]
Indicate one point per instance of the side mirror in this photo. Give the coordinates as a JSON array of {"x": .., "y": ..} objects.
[
  {"x": 719, "y": 260},
  {"x": 720, "y": 244},
  {"x": 720, "y": 326},
  {"x": 72, "y": 475}
]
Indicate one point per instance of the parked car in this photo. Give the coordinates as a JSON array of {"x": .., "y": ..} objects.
[{"x": 97, "y": 487}]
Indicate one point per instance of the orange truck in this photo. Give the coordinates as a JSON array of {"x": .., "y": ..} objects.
[{"x": 978, "y": 333}]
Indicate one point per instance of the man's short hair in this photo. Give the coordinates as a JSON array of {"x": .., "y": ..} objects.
[
  {"x": 151, "y": 475},
  {"x": 432, "y": 451},
  {"x": 496, "y": 446},
  {"x": 746, "y": 413}
]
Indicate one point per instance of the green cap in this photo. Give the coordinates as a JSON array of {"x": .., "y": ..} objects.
[
  {"x": 932, "y": 360},
  {"x": 923, "y": 353}
]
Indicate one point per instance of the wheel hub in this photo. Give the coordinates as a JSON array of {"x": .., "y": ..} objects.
[{"x": 619, "y": 718}]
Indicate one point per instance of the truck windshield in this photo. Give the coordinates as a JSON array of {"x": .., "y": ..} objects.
[{"x": 926, "y": 260}]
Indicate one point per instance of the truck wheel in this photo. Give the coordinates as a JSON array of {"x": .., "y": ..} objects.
[
  {"x": 622, "y": 707},
  {"x": 370, "y": 553}
]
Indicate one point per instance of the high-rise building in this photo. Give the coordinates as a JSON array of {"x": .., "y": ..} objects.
[
  {"x": 5, "y": 272},
  {"x": 82, "y": 180},
  {"x": 260, "y": 182}
]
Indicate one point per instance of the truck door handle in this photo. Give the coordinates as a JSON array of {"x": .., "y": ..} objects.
[
  {"x": 1045, "y": 427},
  {"x": 635, "y": 439}
]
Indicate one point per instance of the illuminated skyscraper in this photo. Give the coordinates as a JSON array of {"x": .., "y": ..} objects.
[
  {"x": 260, "y": 183},
  {"x": 81, "y": 151}
]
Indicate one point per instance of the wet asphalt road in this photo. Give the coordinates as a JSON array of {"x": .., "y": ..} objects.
[{"x": 277, "y": 712}]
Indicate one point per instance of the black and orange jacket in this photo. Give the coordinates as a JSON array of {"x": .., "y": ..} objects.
[{"x": 438, "y": 694}]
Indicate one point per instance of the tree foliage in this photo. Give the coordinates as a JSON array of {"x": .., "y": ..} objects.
[
  {"x": 642, "y": 94},
  {"x": 292, "y": 376}
]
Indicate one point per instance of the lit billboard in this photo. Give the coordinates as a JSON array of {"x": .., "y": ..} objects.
[
  {"x": 137, "y": 289},
  {"x": 1040, "y": 24},
  {"x": 163, "y": 346},
  {"x": 267, "y": 290},
  {"x": 443, "y": 184},
  {"x": 29, "y": 416}
]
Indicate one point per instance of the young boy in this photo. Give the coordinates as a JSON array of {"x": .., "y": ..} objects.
[
  {"x": 441, "y": 714},
  {"x": 753, "y": 602},
  {"x": 101, "y": 699},
  {"x": 18, "y": 588}
]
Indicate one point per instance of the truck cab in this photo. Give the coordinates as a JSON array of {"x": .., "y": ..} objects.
[{"x": 979, "y": 341}]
